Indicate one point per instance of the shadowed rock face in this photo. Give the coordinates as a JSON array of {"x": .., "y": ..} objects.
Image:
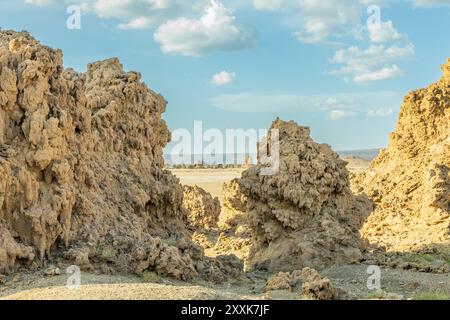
[
  {"x": 81, "y": 168},
  {"x": 304, "y": 215},
  {"x": 410, "y": 180}
]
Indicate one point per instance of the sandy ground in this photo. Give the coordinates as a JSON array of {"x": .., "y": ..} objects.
[
  {"x": 209, "y": 179},
  {"x": 356, "y": 164},
  {"x": 352, "y": 279}
]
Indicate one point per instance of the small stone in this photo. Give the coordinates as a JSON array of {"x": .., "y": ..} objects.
[
  {"x": 52, "y": 271},
  {"x": 280, "y": 281}
]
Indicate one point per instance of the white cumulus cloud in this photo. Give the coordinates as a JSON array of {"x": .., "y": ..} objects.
[
  {"x": 215, "y": 30},
  {"x": 383, "y": 32}
]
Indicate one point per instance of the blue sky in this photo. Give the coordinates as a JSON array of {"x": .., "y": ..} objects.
[{"x": 330, "y": 65}]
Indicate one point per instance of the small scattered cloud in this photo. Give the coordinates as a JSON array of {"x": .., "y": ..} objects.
[
  {"x": 384, "y": 73},
  {"x": 318, "y": 21},
  {"x": 380, "y": 113},
  {"x": 41, "y": 2},
  {"x": 327, "y": 21},
  {"x": 371, "y": 64},
  {"x": 335, "y": 106},
  {"x": 223, "y": 78},
  {"x": 340, "y": 114},
  {"x": 137, "y": 23},
  {"x": 215, "y": 30}
]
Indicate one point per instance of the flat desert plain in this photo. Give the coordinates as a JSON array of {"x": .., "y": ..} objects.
[{"x": 209, "y": 179}]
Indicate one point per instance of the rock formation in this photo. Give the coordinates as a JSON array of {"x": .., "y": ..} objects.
[
  {"x": 280, "y": 281},
  {"x": 304, "y": 215},
  {"x": 234, "y": 206},
  {"x": 315, "y": 286},
  {"x": 204, "y": 210},
  {"x": 81, "y": 168},
  {"x": 235, "y": 231},
  {"x": 309, "y": 283},
  {"x": 410, "y": 180}
]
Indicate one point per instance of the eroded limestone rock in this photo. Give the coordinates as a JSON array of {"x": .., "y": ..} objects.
[
  {"x": 410, "y": 180},
  {"x": 82, "y": 173},
  {"x": 204, "y": 210},
  {"x": 304, "y": 215}
]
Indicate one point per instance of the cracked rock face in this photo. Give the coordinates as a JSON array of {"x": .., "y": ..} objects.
[
  {"x": 305, "y": 214},
  {"x": 81, "y": 167},
  {"x": 410, "y": 180}
]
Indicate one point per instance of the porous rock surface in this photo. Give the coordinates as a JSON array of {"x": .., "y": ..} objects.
[
  {"x": 81, "y": 168},
  {"x": 410, "y": 180},
  {"x": 279, "y": 281},
  {"x": 204, "y": 210},
  {"x": 315, "y": 286},
  {"x": 234, "y": 205},
  {"x": 234, "y": 227},
  {"x": 304, "y": 215},
  {"x": 309, "y": 283}
]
